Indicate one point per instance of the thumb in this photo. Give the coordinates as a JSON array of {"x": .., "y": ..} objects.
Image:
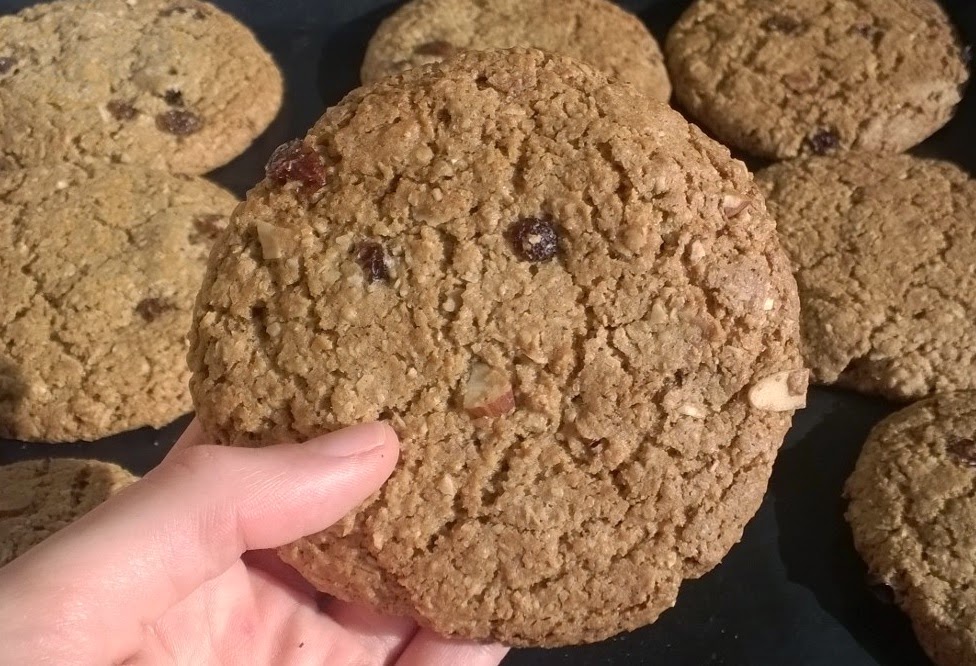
[{"x": 192, "y": 518}]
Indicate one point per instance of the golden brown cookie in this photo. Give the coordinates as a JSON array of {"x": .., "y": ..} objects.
[
  {"x": 173, "y": 84},
  {"x": 913, "y": 514},
  {"x": 883, "y": 251},
  {"x": 40, "y": 497},
  {"x": 97, "y": 279},
  {"x": 595, "y": 31},
  {"x": 780, "y": 78},
  {"x": 571, "y": 305}
]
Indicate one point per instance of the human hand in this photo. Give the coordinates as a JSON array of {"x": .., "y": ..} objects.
[{"x": 175, "y": 569}]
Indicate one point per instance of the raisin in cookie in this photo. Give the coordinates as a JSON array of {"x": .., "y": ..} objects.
[
  {"x": 594, "y": 31},
  {"x": 571, "y": 305},
  {"x": 883, "y": 250},
  {"x": 779, "y": 78},
  {"x": 40, "y": 497},
  {"x": 97, "y": 280},
  {"x": 913, "y": 510},
  {"x": 173, "y": 84}
]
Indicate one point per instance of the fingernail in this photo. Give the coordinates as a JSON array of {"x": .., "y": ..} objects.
[{"x": 352, "y": 441}]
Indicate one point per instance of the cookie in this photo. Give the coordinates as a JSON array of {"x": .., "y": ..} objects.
[
  {"x": 781, "y": 79},
  {"x": 883, "y": 250},
  {"x": 595, "y": 31},
  {"x": 571, "y": 305},
  {"x": 40, "y": 497},
  {"x": 172, "y": 84},
  {"x": 912, "y": 511},
  {"x": 98, "y": 273}
]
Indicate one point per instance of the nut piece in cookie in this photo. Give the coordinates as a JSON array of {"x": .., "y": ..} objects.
[
  {"x": 488, "y": 392},
  {"x": 783, "y": 392}
]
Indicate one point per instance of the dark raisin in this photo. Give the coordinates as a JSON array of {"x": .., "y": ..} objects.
[
  {"x": 179, "y": 122},
  {"x": 823, "y": 141},
  {"x": 7, "y": 63},
  {"x": 121, "y": 110},
  {"x": 437, "y": 48},
  {"x": 964, "y": 451},
  {"x": 534, "y": 238},
  {"x": 781, "y": 23},
  {"x": 296, "y": 161},
  {"x": 197, "y": 12},
  {"x": 206, "y": 227},
  {"x": 150, "y": 308},
  {"x": 173, "y": 97},
  {"x": 372, "y": 259}
]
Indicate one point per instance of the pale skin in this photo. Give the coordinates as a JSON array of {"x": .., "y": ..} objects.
[{"x": 179, "y": 568}]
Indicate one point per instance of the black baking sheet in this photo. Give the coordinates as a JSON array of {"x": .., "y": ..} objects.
[{"x": 793, "y": 592}]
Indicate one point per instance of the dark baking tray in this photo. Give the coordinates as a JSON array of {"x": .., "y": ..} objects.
[{"x": 793, "y": 592}]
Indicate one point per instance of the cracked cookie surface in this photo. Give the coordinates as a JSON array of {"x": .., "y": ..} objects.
[
  {"x": 97, "y": 283},
  {"x": 40, "y": 497},
  {"x": 174, "y": 84},
  {"x": 913, "y": 510},
  {"x": 882, "y": 248},
  {"x": 571, "y": 305},
  {"x": 780, "y": 78},
  {"x": 597, "y": 32}
]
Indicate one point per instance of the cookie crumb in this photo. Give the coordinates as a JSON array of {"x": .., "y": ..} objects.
[
  {"x": 696, "y": 252},
  {"x": 446, "y": 485},
  {"x": 659, "y": 313}
]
